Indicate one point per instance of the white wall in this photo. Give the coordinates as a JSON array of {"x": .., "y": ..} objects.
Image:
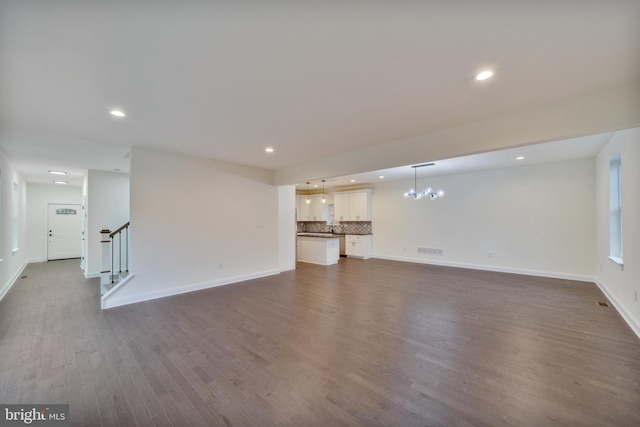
[
  {"x": 12, "y": 262},
  {"x": 287, "y": 226},
  {"x": 536, "y": 219},
  {"x": 197, "y": 223},
  {"x": 38, "y": 198},
  {"x": 620, "y": 282},
  {"x": 107, "y": 206}
]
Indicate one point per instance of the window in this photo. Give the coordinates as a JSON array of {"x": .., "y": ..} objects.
[
  {"x": 16, "y": 215},
  {"x": 615, "y": 210}
]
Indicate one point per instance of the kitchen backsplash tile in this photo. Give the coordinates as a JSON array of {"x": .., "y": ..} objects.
[
  {"x": 356, "y": 227},
  {"x": 345, "y": 227},
  {"x": 315, "y": 227}
]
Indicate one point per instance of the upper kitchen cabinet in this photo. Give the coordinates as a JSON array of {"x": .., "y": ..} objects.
[
  {"x": 315, "y": 210},
  {"x": 352, "y": 205},
  {"x": 302, "y": 208}
]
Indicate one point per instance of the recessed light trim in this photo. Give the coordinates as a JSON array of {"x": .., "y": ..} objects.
[
  {"x": 61, "y": 182},
  {"x": 269, "y": 150},
  {"x": 520, "y": 158},
  {"x": 117, "y": 113},
  {"x": 381, "y": 177},
  {"x": 57, "y": 172},
  {"x": 484, "y": 75}
]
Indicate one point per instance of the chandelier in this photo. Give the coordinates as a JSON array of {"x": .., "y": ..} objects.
[{"x": 429, "y": 192}]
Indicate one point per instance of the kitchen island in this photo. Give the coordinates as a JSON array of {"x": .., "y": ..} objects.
[{"x": 318, "y": 248}]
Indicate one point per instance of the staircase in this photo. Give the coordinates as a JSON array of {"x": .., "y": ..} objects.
[{"x": 115, "y": 258}]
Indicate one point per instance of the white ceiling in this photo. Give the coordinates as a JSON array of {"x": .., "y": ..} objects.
[
  {"x": 312, "y": 79},
  {"x": 575, "y": 148}
]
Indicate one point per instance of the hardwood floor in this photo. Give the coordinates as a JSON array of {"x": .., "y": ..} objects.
[{"x": 359, "y": 343}]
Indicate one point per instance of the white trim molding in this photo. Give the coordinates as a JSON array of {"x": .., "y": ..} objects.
[
  {"x": 617, "y": 260},
  {"x": 113, "y": 290},
  {"x": 91, "y": 274},
  {"x": 499, "y": 269},
  {"x": 7, "y": 287},
  {"x": 177, "y": 290},
  {"x": 633, "y": 323}
]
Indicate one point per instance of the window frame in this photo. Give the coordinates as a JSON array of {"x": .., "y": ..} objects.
[{"x": 615, "y": 210}]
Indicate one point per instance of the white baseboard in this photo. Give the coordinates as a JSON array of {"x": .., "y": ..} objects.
[
  {"x": 91, "y": 274},
  {"x": 108, "y": 303},
  {"x": 633, "y": 323},
  {"x": 7, "y": 287},
  {"x": 499, "y": 269},
  {"x": 113, "y": 290}
]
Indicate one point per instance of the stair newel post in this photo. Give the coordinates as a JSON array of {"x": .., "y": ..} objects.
[{"x": 106, "y": 260}]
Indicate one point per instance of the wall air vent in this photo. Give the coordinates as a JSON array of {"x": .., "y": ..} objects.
[{"x": 431, "y": 251}]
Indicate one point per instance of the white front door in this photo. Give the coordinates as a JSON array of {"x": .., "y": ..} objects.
[{"x": 64, "y": 234}]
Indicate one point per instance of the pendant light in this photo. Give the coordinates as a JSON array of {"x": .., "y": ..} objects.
[
  {"x": 323, "y": 199},
  {"x": 429, "y": 192}
]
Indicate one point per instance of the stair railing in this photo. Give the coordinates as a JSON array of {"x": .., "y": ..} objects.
[
  {"x": 118, "y": 234},
  {"x": 108, "y": 274}
]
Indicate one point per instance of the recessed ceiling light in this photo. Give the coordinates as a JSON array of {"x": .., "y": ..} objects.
[
  {"x": 269, "y": 150},
  {"x": 520, "y": 158},
  {"x": 381, "y": 177},
  {"x": 60, "y": 182},
  {"x": 117, "y": 113},
  {"x": 57, "y": 172},
  {"x": 484, "y": 75},
  {"x": 353, "y": 180},
  {"x": 315, "y": 185}
]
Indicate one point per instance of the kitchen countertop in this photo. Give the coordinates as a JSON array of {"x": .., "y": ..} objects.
[{"x": 321, "y": 235}]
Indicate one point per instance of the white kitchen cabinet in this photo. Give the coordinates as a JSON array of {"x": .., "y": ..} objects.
[
  {"x": 360, "y": 206},
  {"x": 352, "y": 205},
  {"x": 302, "y": 208},
  {"x": 341, "y": 207},
  {"x": 359, "y": 246},
  {"x": 313, "y": 211}
]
